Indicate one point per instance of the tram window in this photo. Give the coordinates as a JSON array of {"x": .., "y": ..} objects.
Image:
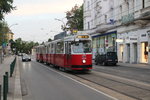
[
  {"x": 82, "y": 47},
  {"x": 60, "y": 47}
]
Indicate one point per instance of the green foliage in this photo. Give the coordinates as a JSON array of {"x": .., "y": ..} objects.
[
  {"x": 75, "y": 18},
  {"x": 23, "y": 46},
  {"x": 49, "y": 40},
  {"x": 3, "y": 29},
  {"x": 5, "y": 7}
]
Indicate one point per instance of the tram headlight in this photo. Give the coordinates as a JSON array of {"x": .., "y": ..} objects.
[{"x": 84, "y": 61}]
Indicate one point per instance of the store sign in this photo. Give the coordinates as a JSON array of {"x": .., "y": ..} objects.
[
  {"x": 148, "y": 32},
  {"x": 119, "y": 40},
  {"x": 131, "y": 39},
  {"x": 143, "y": 35}
]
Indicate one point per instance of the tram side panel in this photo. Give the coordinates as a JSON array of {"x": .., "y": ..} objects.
[
  {"x": 52, "y": 57},
  {"x": 59, "y": 60},
  {"x": 48, "y": 58},
  {"x": 41, "y": 57},
  {"x": 44, "y": 58}
]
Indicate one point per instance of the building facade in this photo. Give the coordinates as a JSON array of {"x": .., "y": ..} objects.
[
  {"x": 5, "y": 37},
  {"x": 119, "y": 25}
]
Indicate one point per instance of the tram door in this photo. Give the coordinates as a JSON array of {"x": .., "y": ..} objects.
[{"x": 68, "y": 53}]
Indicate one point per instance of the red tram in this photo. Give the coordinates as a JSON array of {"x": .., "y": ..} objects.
[{"x": 69, "y": 53}]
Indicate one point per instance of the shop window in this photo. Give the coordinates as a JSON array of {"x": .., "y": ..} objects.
[{"x": 144, "y": 52}]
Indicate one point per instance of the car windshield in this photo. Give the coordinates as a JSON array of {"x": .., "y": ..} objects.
[
  {"x": 111, "y": 53},
  {"x": 25, "y": 55},
  {"x": 82, "y": 47}
]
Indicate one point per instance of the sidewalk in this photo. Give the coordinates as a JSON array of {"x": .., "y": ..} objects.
[
  {"x": 146, "y": 66},
  {"x": 139, "y": 65},
  {"x": 13, "y": 81}
]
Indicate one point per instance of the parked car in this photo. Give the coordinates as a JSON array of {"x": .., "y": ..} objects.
[
  {"x": 107, "y": 59},
  {"x": 26, "y": 57}
]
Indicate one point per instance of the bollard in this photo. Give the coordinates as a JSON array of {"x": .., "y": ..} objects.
[
  {"x": 7, "y": 81},
  {"x": 4, "y": 88},
  {"x": 11, "y": 70},
  {"x": 12, "y": 67}
]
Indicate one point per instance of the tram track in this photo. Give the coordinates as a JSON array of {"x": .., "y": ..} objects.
[{"x": 133, "y": 91}]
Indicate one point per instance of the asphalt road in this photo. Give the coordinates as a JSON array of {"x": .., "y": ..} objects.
[
  {"x": 139, "y": 74},
  {"x": 42, "y": 83}
]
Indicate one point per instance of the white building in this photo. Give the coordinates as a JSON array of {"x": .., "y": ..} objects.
[{"x": 124, "y": 20}]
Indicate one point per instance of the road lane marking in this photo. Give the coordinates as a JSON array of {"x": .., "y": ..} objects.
[{"x": 81, "y": 83}]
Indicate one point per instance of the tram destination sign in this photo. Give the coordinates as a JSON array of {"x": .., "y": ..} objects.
[{"x": 83, "y": 36}]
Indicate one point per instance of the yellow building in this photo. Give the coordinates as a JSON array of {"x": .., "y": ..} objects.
[
  {"x": 9, "y": 36},
  {"x": 5, "y": 37}
]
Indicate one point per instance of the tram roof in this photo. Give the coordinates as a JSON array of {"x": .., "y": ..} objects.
[{"x": 68, "y": 38}]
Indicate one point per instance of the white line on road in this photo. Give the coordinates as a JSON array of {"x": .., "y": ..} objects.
[{"x": 82, "y": 83}]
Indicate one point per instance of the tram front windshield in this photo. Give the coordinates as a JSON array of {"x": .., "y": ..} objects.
[{"x": 82, "y": 47}]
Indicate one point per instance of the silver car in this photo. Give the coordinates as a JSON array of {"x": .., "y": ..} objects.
[{"x": 26, "y": 57}]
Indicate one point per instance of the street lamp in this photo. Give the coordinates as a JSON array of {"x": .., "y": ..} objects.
[
  {"x": 64, "y": 25},
  {"x": 13, "y": 25},
  {"x": 61, "y": 20}
]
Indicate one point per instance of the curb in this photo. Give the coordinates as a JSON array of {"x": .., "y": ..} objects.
[{"x": 17, "y": 91}]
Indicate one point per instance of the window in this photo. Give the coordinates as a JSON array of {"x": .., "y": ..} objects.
[
  {"x": 105, "y": 18},
  {"x": 88, "y": 5},
  {"x": 82, "y": 47},
  {"x": 60, "y": 47},
  {"x": 52, "y": 49},
  {"x": 88, "y": 25},
  {"x": 120, "y": 12},
  {"x": 143, "y": 3}
]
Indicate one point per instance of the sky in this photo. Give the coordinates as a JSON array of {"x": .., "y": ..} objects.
[{"x": 36, "y": 18}]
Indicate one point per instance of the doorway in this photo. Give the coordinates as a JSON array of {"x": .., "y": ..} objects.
[
  {"x": 135, "y": 52},
  {"x": 128, "y": 53},
  {"x": 121, "y": 52},
  {"x": 144, "y": 52}
]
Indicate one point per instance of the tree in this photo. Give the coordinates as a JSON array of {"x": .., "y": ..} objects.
[
  {"x": 24, "y": 46},
  {"x": 75, "y": 18},
  {"x": 3, "y": 30},
  {"x": 5, "y": 7},
  {"x": 49, "y": 40}
]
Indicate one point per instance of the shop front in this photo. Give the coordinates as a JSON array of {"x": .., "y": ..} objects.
[
  {"x": 103, "y": 43},
  {"x": 134, "y": 47},
  {"x": 148, "y": 32}
]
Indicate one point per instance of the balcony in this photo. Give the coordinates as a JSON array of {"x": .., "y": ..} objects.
[
  {"x": 142, "y": 16},
  {"x": 127, "y": 19},
  {"x": 104, "y": 27},
  {"x": 90, "y": 31}
]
